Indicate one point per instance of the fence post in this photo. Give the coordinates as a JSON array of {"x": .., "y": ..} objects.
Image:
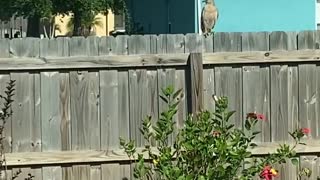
[{"x": 194, "y": 83}]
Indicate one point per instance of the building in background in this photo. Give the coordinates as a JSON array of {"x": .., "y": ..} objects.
[{"x": 180, "y": 16}]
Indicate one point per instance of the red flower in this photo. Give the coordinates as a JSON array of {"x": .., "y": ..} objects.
[
  {"x": 268, "y": 172},
  {"x": 256, "y": 116},
  {"x": 305, "y": 130},
  {"x": 261, "y": 117},
  {"x": 252, "y": 115}
]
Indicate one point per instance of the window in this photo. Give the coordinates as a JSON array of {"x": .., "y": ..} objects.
[{"x": 119, "y": 22}]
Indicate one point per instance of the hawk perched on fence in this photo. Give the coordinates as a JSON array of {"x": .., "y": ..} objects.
[{"x": 209, "y": 17}]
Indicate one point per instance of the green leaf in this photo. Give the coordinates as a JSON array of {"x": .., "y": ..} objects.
[
  {"x": 295, "y": 161},
  {"x": 177, "y": 93},
  {"x": 247, "y": 125},
  {"x": 229, "y": 114}
]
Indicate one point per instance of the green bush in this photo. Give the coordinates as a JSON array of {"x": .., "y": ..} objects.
[{"x": 207, "y": 147}]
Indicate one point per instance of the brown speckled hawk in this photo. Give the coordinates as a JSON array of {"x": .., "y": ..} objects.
[{"x": 209, "y": 17}]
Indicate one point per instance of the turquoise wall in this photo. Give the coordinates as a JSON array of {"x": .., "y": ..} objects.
[
  {"x": 265, "y": 15},
  {"x": 164, "y": 16}
]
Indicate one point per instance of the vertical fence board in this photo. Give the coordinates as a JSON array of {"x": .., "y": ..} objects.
[
  {"x": 80, "y": 46},
  {"x": 208, "y": 89},
  {"x": 51, "y": 119},
  {"x": 138, "y": 44},
  {"x": 166, "y": 78},
  {"x": 26, "y": 47},
  {"x": 162, "y": 44},
  {"x": 307, "y": 98},
  {"x": 194, "y": 82},
  {"x": 280, "y": 40},
  {"x": 284, "y": 98},
  {"x": 50, "y": 112},
  {"x": 207, "y": 44},
  {"x": 52, "y": 173},
  {"x": 309, "y": 162},
  {"x": 306, "y": 40},
  {"x": 113, "y": 45},
  {"x": 54, "y": 47},
  {"x": 227, "y": 42},
  {"x": 123, "y": 104},
  {"x": 193, "y": 43},
  {"x": 4, "y": 80},
  {"x": 85, "y": 123},
  {"x": 258, "y": 41},
  {"x": 110, "y": 171},
  {"x": 175, "y": 43},
  {"x": 23, "y": 116},
  {"x": 81, "y": 172},
  {"x": 228, "y": 82},
  {"x": 256, "y": 97},
  {"x": 65, "y": 111},
  {"x": 95, "y": 173},
  {"x": 182, "y": 107},
  {"x": 109, "y": 109},
  {"x": 4, "y": 48}
]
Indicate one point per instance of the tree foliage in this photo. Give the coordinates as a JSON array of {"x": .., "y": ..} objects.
[{"x": 40, "y": 9}]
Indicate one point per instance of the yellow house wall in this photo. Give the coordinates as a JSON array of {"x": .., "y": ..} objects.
[{"x": 106, "y": 21}]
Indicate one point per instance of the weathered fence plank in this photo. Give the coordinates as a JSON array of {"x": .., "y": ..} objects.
[
  {"x": 306, "y": 40},
  {"x": 175, "y": 43},
  {"x": 54, "y": 47},
  {"x": 283, "y": 41},
  {"x": 194, "y": 82},
  {"x": 26, "y": 47},
  {"x": 4, "y": 48},
  {"x": 139, "y": 44},
  {"x": 255, "y": 41},
  {"x": 308, "y": 98},
  {"x": 193, "y": 43},
  {"x": 227, "y": 42}
]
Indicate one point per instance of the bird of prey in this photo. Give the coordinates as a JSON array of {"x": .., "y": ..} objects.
[{"x": 209, "y": 17}]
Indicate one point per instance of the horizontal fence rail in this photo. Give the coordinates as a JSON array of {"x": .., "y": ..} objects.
[{"x": 76, "y": 96}]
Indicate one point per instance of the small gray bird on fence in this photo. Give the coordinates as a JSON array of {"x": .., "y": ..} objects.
[{"x": 209, "y": 17}]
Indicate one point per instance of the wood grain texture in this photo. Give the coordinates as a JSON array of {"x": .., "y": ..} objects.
[
  {"x": 26, "y": 47},
  {"x": 284, "y": 101},
  {"x": 208, "y": 89},
  {"x": 52, "y": 173},
  {"x": 139, "y": 44},
  {"x": 256, "y": 97},
  {"x": 81, "y": 172},
  {"x": 4, "y": 48},
  {"x": 258, "y": 41},
  {"x": 207, "y": 44},
  {"x": 194, "y": 82},
  {"x": 65, "y": 111},
  {"x": 81, "y": 46},
  {"x": 4, "y": 80},
  {"x": 95, "y": 172},
  {"x": 113, "y": 45},
  {"x": 110, "y": 129},
  {"x": 85, "y": 122},
  {"x": 193, "y": 43},
  {"x": 110, "y": 171},
  {"x": 280, "y": 40},
  {"x": 166, "y": 78},
  {"x": 23, "y": 130},
  {"x": 156, "y": 60},
  {"x": 308, "y": 98},
  {"x": 228, "y": 82},
  {"x": 175, "y": 43},
  {"x": 310, "y": 162},
  {"x": 123, "y": 104},
  {"x": 306, "y": 40},
  {"x": 50, "y": 111},
  {"x": 66, "y": 158},
  {"x": 227, "y": 42},
  {"x": 143, "y": 100},
  {"x": 57, "y": 47}
]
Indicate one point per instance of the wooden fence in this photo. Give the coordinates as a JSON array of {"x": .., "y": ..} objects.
[{"x": 76, "y": 96}]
